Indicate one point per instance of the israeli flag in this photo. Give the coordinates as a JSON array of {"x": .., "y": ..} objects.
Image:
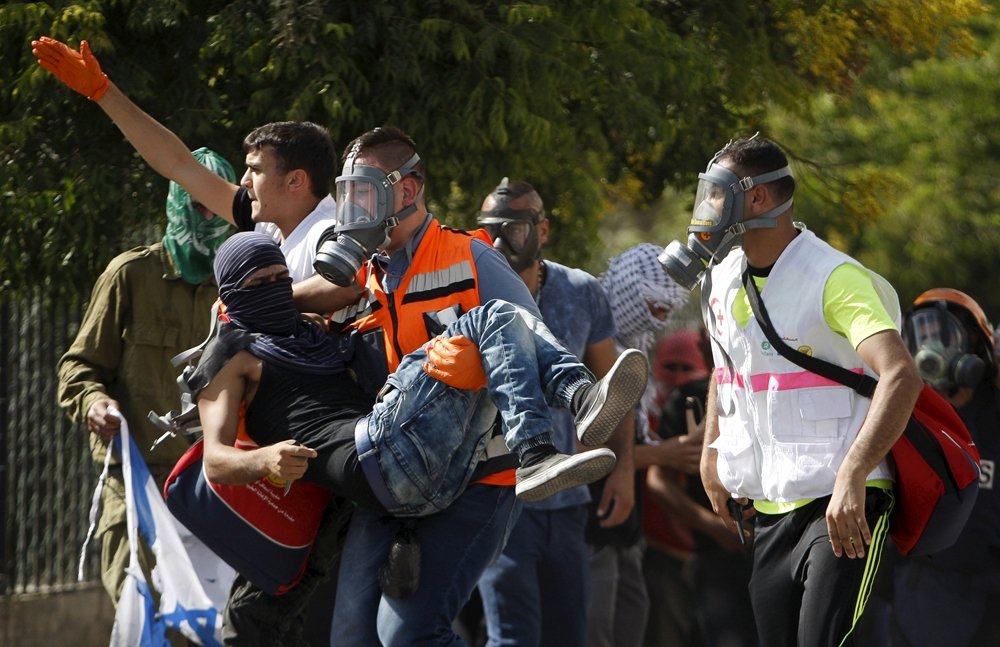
[{"x": 184, "y": 603}]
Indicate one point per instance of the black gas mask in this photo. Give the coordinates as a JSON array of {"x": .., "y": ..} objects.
[
  {"x": 364, "y": 198},
  {"x": 943, "y": 348},
  {"x": 514, "y": 231}
]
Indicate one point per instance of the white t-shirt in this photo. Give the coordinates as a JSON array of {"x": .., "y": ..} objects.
[{"x": 300, "y": 246}]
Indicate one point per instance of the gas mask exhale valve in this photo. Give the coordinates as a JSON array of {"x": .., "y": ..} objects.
[
  {"x": 364, "y": 199},
  {"x": 717, "y": 221}
]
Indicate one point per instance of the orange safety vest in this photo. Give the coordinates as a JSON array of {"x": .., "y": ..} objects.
[{"x": 441, "y": 275}]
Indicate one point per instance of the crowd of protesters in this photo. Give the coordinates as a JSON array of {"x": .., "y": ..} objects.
[{"x": 736, "y": 500}]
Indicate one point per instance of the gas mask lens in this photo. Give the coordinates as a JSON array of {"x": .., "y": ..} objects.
[
  {"x": 708, "y": 204},
  {"x": 514, "y": 232},
  {"x": 940, "y": 349},
  {"x": 357, "y": 202},
  {"x": 938, "y": 329}
]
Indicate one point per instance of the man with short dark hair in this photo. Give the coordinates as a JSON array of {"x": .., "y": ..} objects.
[
  {"x": 284, "y": 191},
  {"x": 417, "y": 275},
  {"x": 809, "y": 453}
]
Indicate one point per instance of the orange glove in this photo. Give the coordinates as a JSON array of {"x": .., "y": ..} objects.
[
  {"x": 78, "y": 70},
  {"x": 456, "y": 362}
]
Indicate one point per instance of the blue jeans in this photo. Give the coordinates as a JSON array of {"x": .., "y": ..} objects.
[
  {"x": 536, "y": 594},
  {"x": 423, "y": 439},
  {"x": 456, "y": 547}
]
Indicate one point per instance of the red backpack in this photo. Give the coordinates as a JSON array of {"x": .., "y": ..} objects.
[
  {"x": 937, "y": 477},
  {"x": 936, "y": 460}
]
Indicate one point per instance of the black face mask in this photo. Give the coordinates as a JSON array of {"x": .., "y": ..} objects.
[{"x": 267, "y": 308}]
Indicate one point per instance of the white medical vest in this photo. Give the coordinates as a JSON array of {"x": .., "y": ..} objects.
[{"x": 784, "y": 431}]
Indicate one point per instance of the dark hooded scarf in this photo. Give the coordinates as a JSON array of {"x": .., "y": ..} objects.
[{"x": 281, "y": 335}]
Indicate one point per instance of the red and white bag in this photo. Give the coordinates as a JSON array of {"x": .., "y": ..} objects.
[{"x": 260, "y": 530}]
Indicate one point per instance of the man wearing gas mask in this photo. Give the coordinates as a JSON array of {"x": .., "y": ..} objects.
[
  {"x": 808, "y": 453},
  {"x": 535, "y": 593},
  {"x": 950, "y": 598},
  {"x": 417, "y": 277}
]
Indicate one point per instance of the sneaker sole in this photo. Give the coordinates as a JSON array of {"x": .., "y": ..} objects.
[
  {"x": 621, "y": 393},
  {"x": 580, "y": 469}
]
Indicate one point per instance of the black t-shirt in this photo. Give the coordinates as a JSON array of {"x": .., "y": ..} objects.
[
  {"x": 242, "y": 210},
  {"x": 317, "y": 411}
]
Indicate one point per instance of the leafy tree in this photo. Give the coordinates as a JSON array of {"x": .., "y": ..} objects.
[
  {"x": 597, "y": 104},
  {"x": 904, "y": 174}
]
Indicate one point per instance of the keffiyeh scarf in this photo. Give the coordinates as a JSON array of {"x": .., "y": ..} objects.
[
  {"x": 634, "y": 280},
  {"x": 190, "y": 239}
]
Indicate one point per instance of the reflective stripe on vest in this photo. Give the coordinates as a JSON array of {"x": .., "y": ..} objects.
[{"x": 442, "y": 274}]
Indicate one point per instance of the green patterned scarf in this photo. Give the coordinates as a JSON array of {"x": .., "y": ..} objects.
[{"x": 191, "y": 240}]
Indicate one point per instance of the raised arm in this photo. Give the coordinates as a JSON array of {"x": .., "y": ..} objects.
[{"x": 162, "y": 149}]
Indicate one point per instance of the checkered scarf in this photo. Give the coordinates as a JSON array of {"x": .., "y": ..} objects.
[{"x": 634, "y": 280}]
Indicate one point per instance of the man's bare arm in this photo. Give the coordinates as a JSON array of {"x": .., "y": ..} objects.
[
  {"x": 167, "y": 154},
  {"x": 219, "y": 410},
  {"x": 619, "y": 490},
  {"x": 163, "y": 150},
  {"x": 899, "y": 385}
]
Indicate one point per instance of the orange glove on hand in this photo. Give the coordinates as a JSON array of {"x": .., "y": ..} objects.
[
  {"x": 456, "y": 362},
  {"x": 78, "y": 70}
]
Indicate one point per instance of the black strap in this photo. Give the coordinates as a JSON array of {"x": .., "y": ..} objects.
[{"x": 862, "y": 384}]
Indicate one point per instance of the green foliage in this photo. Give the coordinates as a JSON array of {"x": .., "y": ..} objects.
[
  {"x": 596, "y": 103},
  {"x": 905, "y": 172}
]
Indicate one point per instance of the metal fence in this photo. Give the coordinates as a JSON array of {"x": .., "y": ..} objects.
[{"x": 46, "y": 474}]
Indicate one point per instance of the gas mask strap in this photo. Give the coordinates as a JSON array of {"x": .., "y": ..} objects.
[
  {"x": 722, "y": 249},
  {"x": 404, "y": 169},
  {"x": 748, "y": 183},
  {"x": 765, "y": 220},
  {"x": 403, "y": 213},
  {"x": 727, "y": 408}
]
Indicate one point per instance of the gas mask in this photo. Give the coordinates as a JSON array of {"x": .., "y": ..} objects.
[
  {"x": 364, "y": 198},
  {"x": 717, "y": 221},
  {"x": 942, "y": 348},
  {"x": 514, "y": 231}
]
